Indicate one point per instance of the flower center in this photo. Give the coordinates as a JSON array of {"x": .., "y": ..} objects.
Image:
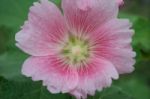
[{"x": 75, "y": 50}]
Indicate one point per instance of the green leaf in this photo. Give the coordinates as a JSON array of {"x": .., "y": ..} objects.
[
  {"x": 4, "y": 38},
  {"x": 114, "y": 92},
  {"x": 142, "y": 34},
  {"x": 26, "y": 90},
  {"x": 10, "y": 65},
  {"x": 138, "y": 88},
  {"x": 14, "y": 13}
]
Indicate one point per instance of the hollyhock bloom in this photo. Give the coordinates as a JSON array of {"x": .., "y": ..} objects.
[{"x": 79, "y": 50}]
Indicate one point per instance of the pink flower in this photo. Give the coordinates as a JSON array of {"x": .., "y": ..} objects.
[{"x": 79, "y": 50}]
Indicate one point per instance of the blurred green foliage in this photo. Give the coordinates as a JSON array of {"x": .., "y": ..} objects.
[{"x": 15, "y": 86}]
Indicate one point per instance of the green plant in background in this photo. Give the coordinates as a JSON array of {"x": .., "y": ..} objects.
[{"x": 15, "y": 86}]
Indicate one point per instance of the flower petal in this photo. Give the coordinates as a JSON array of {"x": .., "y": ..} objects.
[
  {"x": 86, "y": 15},
  {"x": 52, "y": 72},
  {"x": 120, "y": 2},
  {"x": 43, "y": 30},
  {"x": 96, "y": 75},
  {"x": 113, "y": 42}
]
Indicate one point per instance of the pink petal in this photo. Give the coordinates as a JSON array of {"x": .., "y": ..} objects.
[
  {"x": 97, "y": 75},
  {"x": 114, "y": 33},
  {"x": 86, "y": 15},
  {"x": 43, "y": 30},
  {"x": 112, "y": 41},
  {"x": 52, "y": 72},
  {"x": 120, "y": 2}
]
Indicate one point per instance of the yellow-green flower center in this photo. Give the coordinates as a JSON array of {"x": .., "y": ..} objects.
[{"x": 75, "y": 50}]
